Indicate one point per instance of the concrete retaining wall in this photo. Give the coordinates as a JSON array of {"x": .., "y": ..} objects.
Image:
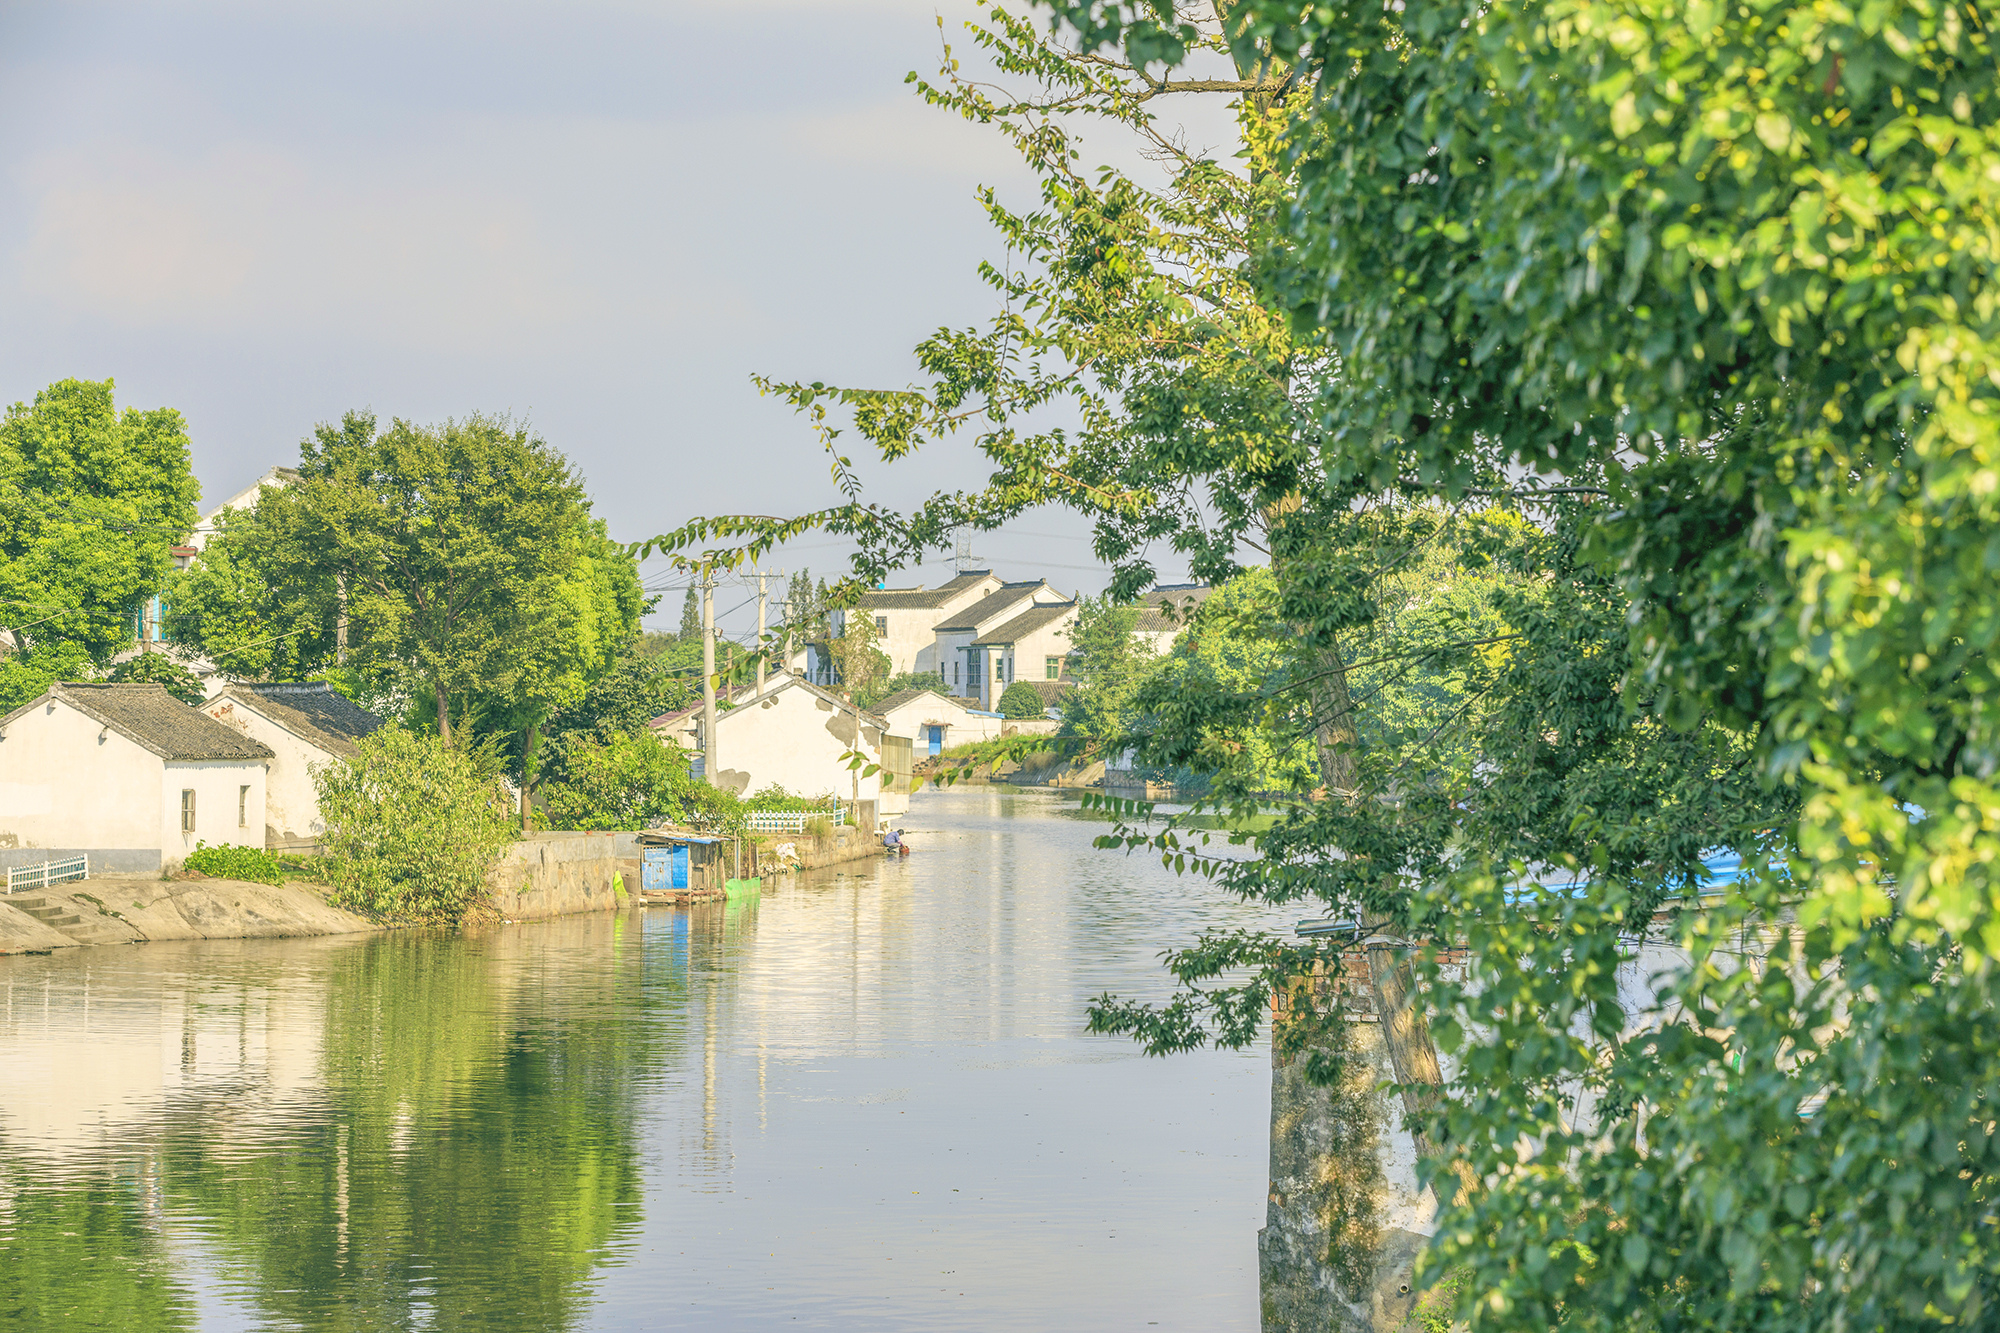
[{"x": 558, "y": 874}]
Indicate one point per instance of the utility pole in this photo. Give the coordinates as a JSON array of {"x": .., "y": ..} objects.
[
  {"x": 709, "y": 750},
  {"x": 762, "y": 653}
]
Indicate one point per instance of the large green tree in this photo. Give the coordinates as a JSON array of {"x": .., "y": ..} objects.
[
  {"x": 453, "y": 570},
  {"x": 1730, "y": 269},
  {"x": 92, "y": 500}
]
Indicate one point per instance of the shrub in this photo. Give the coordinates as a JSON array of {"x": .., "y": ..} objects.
[
  {"x": 775, "y": 797},
  {"x": 1022, "y": 700},
  {"x": 412, "y": 827},
  {"x": 822, "y": 827},
  {"x": 232, "y": 862}
]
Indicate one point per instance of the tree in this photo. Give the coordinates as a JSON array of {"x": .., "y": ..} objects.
[
  {"x": 412, "y": 826},
  {"x": 460, "y": 562},
  {"x": 1022, "y": 700},
  {"x": 161, "y": 669},
  {"x": 1729, "y": 270},
  {"x": 1108, "y": 665},
  {"x": 91, "y": 502},
  {"x": 637, "y": 689},
  {"x": 863, "y": 667},
  {"x": 691, "y": 616},
  {"x": 250, "y": 610},
  {"x": 908, "y": 680}
]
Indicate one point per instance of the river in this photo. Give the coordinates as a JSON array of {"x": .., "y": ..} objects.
[{"x": 862, "y": 1101}]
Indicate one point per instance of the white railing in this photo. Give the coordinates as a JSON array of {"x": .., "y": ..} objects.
[
  {"x": 791, "y": 821},
  {"x": 47, "y": 873}
]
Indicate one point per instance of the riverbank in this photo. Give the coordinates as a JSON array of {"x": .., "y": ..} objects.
[{"x": 138, "y": 909}]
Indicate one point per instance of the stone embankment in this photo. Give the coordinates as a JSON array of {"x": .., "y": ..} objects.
[{"x": 128, "y": 909}]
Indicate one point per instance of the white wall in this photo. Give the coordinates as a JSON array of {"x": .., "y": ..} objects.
[
  {"x": 790, "y": 737},
  {"x": 291, "y": 805},
  {"x": 216, "y": 784},
  {"x": 63, "y": 788}
]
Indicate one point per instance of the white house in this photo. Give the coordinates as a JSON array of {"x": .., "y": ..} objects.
[
  {"x": 1165, "y": 612},
  {"x": 304, "y": 725},
  {"x": 906, "y": 619},
  {"x": 933, "y": 722},
  {"x": 968, "y": 661},
  {"x": 128, "y": 775},
  {"x": 796, "y": 736}
]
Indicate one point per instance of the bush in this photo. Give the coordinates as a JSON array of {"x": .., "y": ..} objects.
[
  {"x": 232, "y": 862},
  {"x": 1022, "y": 700},
  {"x": 412, "y": 827},
  {"x": 775, "y": 797}
]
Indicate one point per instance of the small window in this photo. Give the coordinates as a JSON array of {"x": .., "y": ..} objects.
[
  {"x": 1052, "y": 666},
  {"x": 243, "y": 807},
  {"x": 954, "y": 671},
  {"x": 187, "y": 809},
  {"x": 881, "y": 624}
]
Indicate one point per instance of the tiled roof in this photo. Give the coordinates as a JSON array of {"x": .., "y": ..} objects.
[
  {"x": 148, "y": 716},
  {"x": 901, "y": 697},
  {"x": 1021, "y": 626},
  {"x": 1182, "y": 597},
  {"x": 744, "y": 694},
  {"x": 312, "y": 710},
  {"x": 1003, "y": 598},
  {"x": 1052, "y": 691},
  {"x": 921, "y": 599}
]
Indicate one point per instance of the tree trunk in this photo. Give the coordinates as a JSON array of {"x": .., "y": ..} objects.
[
  {"x": 529, "y": 740},
  {"x": 444, "y": 711}
]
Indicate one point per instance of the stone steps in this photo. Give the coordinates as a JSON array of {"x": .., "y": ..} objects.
[{"x": 94, "y": 928}]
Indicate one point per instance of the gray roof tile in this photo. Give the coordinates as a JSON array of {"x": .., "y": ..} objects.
[
  {"x": 150, "y": 717},
  {"x": 1021, "y": 626},
  {"x": 997, "y": 602},
  {"x": 312, "y": 710}
]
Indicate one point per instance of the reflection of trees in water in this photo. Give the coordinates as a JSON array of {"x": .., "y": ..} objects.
[
  {"x": 468, "y": 1162},
  {"x": 87, "y": 1253}
]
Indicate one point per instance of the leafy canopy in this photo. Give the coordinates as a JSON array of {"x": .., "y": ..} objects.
[{"x": 92, "y": 501}]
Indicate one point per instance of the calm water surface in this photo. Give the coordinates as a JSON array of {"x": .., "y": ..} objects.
[{"x": 864, "y": 1101}]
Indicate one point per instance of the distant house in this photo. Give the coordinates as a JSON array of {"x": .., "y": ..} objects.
[
  {"x": 977, "y": 649},
  {"x": 1165, "y": 612},
  {"x": 906, "y": 619},
  {"x": 797, "y": 736},
  {"x": 303, "y": 724},
  {"x": 934, "y": 722},
  {"x": 126, "y": 774}
]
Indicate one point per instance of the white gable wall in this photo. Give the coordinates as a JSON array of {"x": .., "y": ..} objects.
[
  {"x": 291, "y": 807},
  {"x": 62, "y": 788}
]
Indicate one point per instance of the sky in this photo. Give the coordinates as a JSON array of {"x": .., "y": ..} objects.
[{"x": 602, "y": 216}]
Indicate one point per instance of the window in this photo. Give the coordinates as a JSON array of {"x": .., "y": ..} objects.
[
  {"x": 243, "y": 807},
  {"x": 954, "y": 671},
  {"x": 187, "y": 809},
  {"x": 1052, "y": 666},
  {"x": 881, "y": 624}
]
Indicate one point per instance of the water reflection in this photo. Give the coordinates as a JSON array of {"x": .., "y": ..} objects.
[{"x": 863, "y": 1101}]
